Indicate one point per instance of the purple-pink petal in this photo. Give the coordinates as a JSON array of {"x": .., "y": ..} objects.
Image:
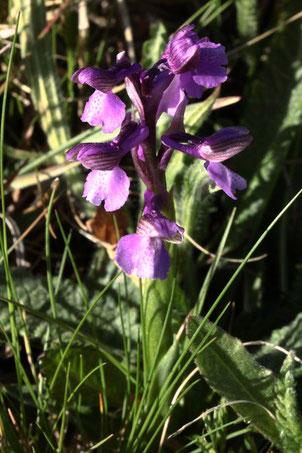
[
  {"x": 104, "y": 109},
  {"x": 218, "y": 147},
  {"x": 131, "y": 135},
  {"x": 226, "y": 179},
  {"x": 171, "y": 98},
  {"x": 210, "y": 73},
  {"x": 154, "y": 224},
  {"x": 96, "y": 156},
  {"x": 224, "y": 143},
  {"x": 110, "y": 186},
  {"x": 100, "y": 156},
  {"x": 187, "y": 83},
  {"x": 105, "y": 79},
  {"x": 180, "y": 142},
  {"x": 183, "y": 52},
  {"x": 148, "y": 256}
]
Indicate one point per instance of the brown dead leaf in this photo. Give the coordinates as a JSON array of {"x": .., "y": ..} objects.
[{"x": 103, "y": 228}]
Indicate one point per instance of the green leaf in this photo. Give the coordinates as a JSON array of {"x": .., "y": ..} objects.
[
  {"x": 276, "y": 92},
  {"x": 288, "y": 337},
  {"x": 41, "y": 72},
  {"x": 162, "y": 372},
  {"x": 288, "y": 415},
  {"x": 198, "y": 112},
  {"x": 88, "y": 358},
  {"x": 232, "y": 372},
  {"x": 154, "y": 48},
  {"x": 157, "y": 294},
  {"x": 194, "y": 197},
  {"x": 247, "y": 18},
  {"x": 33, "y": 291}
]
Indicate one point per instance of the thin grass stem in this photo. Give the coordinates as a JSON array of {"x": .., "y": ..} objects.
[
  {"x": 210, "y": 274},
  {"x": 67, "y": 327},
  {"x": 48, "y": 263},
  {"x": 62, "y": 429}
]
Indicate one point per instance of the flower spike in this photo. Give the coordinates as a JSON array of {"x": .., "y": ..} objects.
[{"x": 187, "y": 66}]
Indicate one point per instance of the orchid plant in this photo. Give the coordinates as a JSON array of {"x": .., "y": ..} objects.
[{"x": 187, "y": 66}]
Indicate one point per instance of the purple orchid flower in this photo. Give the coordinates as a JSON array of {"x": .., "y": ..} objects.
[
  {"x": 145, "y": 250},
  {"x": 195, "y": 63},
  {"x": 215, "y": 149},
  {"x": 107, "y": 181},
  {"x": 103, "y": 107}
]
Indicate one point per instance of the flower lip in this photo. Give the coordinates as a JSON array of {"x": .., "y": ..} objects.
[
  {"x": 109, "y": 186},
  {"x": 148, "y": 256},
  {"x": 104, "y": 109}
]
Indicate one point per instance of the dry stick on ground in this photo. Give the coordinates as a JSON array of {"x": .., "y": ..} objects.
[
  {"x": 17, "y": 242},
  {"x": 274, "y": 346},
  {"x": 174, "y": 399},
  {"x": 219, "y": 406},
  {"x": 264, "y": 35},
  {"x": 230, "y": 260},
  {"x": 28, "y": 230}
]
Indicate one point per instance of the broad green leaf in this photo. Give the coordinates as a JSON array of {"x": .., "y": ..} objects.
[
  {"x": 41, "y": 72},
  {"x": 194, "y": 196},
  {"x": 247, "y": 18},
  {"x": 157, "y": 294},
  {"x": 288, "y": 415},
  {"x": 231, "y": 371},
  {"x": 163, "y": 370},
  {"x": 154, "y": 48},
  {"x": 90, "y": 359},
  {"x": 288, "y": 337},
  {"x": 33, "y": 291}
]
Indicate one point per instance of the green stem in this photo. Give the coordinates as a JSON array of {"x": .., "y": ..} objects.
[{"x": 156, "y": 299}]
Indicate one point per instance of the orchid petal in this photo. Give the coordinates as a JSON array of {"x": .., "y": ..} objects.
[
  {"x": 172, "y": 97},
  {"x": 224, "y": 143},
  {"x": 104, "y": 109},
  {"x": 188, "y": 84},
  {"x": 226, "y": 179},
  {"x": 210, "y": 72},
  {"x": 105, "y": 79},
  {"x": 131, "y": 135},
  {"x": 148, "y": 256},
  {"x": 110, "y": 186},
  {"x": 154, "y": 224}
]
